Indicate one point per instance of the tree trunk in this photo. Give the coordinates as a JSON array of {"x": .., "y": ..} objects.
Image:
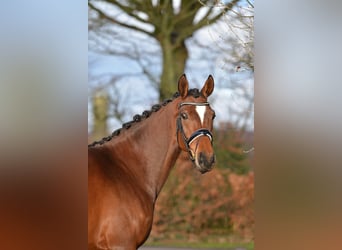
[
  {"x": 174, "y": 59},
  {"x": 100, "y": 112}
]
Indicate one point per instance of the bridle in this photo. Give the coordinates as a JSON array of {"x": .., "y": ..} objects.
[{"x": 195, "y": 135}]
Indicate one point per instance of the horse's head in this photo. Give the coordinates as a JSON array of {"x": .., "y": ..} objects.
[{"x": 195, "y": 123}]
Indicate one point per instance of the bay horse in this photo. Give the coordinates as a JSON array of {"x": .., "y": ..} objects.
[{"x": 127, "y": 169}]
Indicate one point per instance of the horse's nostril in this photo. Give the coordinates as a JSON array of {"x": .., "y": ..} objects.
[
  {"x": 206, "y": 161},
  {"x": 212, "y": 159},
  {"x": 201, "y": 158}
]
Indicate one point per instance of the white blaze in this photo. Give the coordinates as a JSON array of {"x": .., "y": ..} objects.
[{"x": 201, "y": 111}]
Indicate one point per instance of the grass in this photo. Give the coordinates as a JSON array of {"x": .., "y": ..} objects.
[
  {"x": 217, "y": 239},
  {"x": 212, "y": 241},
  {"x": 199, "y": 245}
]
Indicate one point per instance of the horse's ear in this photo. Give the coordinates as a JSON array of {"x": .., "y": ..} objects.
[
  {"x": 208, "y": 87},
  {"x": 183, "y": 86}
]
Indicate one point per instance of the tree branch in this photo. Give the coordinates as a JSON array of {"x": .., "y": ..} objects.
[
  {"x": 113, "y": 20},
  {"x": 145, "y": 8},
  {"x": 205, "y": 20}
]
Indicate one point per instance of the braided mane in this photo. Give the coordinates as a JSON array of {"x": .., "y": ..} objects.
[{"x": 137, "y": 118}]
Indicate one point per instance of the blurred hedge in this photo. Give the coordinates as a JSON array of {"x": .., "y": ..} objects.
[{"x": 218, "y": 203}]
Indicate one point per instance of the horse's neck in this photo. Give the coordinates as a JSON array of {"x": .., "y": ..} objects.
[
  {"x": 162, "y": 149},
  {"x": 154, "y": 147}
]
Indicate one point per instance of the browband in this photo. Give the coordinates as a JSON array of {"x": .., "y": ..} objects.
[{"x": 193, "y": 103}]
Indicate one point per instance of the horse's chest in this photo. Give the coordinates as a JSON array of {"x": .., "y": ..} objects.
[
  {"x": 126, "y": 225},
  {"x": 122, "y": 213},
  {"x": 139, "y": 217},
  {"x": 131, "y": 218}
]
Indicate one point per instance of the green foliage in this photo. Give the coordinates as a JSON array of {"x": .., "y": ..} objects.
[{"x": 229, "y": 149}]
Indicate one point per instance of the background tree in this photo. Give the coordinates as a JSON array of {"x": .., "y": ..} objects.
[
  {"x": 169, "y": 25},
  {"x": 100, "y": 106}
]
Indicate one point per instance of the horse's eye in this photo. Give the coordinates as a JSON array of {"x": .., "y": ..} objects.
[
  {"x": 184, "y": 116},
  {"x": 214, "y": 116}
]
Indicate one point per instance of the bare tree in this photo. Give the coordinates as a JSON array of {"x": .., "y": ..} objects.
[
  {"x": 234, "y": 36},
  {"x": 169, "y": 25},
  {"x": 240, "y": 24}
]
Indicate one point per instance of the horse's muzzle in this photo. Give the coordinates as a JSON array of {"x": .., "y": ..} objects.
[{"x": 204, "y": 163}]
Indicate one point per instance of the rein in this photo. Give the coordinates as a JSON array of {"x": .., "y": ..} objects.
[{"x": 195, "y": 135}]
